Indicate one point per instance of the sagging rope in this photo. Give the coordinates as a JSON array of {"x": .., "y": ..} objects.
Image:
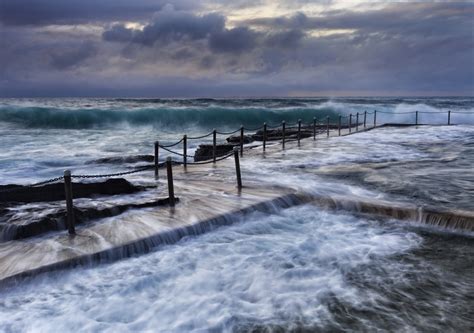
[
  {"x": 147, "y": 167},
  {"x": 253, "y": 129},
  {"x": 27, "y": 187},
  {"x": 176, "y": 153},
  {"x": 172, "y": 145},
  {"x": 228, "y": 133},
  {"x": 199, "y": 137},
  {"x": 141, "y": 169}
]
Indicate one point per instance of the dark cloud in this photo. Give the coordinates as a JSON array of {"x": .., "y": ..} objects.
[
  {"x": 46, "y": 12},
  {"x": 397, "y": 47},
  {"x": 285, "y": 39},
  {"x": 233, "y": 40},
  {"x": 168, "y": 25},
  {"x": 118, "y": 33},
  {"x": 68, "y": 57},
  {"x": 173, "y": 25}
]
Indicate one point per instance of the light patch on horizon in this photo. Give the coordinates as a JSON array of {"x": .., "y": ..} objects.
[
  {"x": 317, "y": 33},
  {"x": 134, "y": 25},
  {"x": 79, "y": 30}
]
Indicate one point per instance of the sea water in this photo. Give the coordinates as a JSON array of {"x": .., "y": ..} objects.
[{"x": 301, "y": 268}]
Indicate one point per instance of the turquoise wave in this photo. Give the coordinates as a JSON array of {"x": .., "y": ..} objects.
[{"x": 42, "y": 117}]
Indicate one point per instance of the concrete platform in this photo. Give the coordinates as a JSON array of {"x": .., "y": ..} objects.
[{"x": 208, "y": 198}]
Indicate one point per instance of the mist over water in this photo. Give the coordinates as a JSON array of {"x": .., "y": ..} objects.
[{"x": 302, "y": 268}]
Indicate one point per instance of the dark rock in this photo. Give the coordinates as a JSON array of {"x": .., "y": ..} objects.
[
  {"x": 204, "y": 151},
  {"x": 54, "y": 192},
  {"x": 123, "y": 159},
  {"x": 277, "y": 134},
  {"x": 290, "y": 133},
  {"x": 236, "y": 139},
  {"x": 57, "y": 220}
]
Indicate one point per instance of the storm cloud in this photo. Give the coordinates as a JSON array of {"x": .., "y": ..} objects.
[
  {"x": 152, "y": 48},
  {"x": 47, "y": 12},
  {"x": 169, "y": 25}
]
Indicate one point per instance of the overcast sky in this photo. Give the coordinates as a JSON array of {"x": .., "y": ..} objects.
[{"x": 235, "y": 48}]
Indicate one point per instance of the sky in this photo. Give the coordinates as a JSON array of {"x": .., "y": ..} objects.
[{"x": 235, "y": 48}]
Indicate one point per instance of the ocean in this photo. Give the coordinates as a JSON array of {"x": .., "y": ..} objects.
[{"x": 303, "y": 268}]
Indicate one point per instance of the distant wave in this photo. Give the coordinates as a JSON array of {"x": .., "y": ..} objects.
[
  {"x": 41, "y": 117},
  {"x": 220, "y": 113}
]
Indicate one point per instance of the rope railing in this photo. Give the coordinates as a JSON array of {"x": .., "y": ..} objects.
[
  {"x": 176, "y": 153},
  {"x": 209, "y": 160},
  {"x": 173, "y": 144},
  {"x": 318, "y": 126},
  {"x": 26, "y": 187},
  {"x": 253, "y": 129},
  {"x": 228, "y": 133},
  {"x": 199, "y": 137},
  {"x": 274, "y": 126},
  {"x": 108, "y": 175}
]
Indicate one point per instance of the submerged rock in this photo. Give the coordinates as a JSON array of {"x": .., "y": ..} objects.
[
  {"x": 123, "y": 159},
  {"x": 204, "y": 151},
  {"x": 236, "y": 139},
  {"x": 55, "y": 192},
  {"x": 9, "y": 230},
  {"x": 277, "y": 134}
]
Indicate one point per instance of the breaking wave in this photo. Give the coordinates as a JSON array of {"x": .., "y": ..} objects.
[
  {"x": 209, "y": 113},
  {"x": 40, "y": 117}
]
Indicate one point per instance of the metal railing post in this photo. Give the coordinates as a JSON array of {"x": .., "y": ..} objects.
[
  {"x": 241, "y": 140},
  {"x": 69, "y": 205},
  {"x": 365, "y": 119},
  {"x": 350, "y": 123},
  {"x": 169, "y": 171},
  {"x": 185, "y": 150},
  {"x": 264, "y": 136},
  {"x": 237, "y": 167},
  {"x": 449, "y": 117},
  {"x": 375, "y": 118},
  {"x": 214, "y": 144},
  {"x": 157, "y": 147},
  {"x": 339, "y": 125},
  {"x": 283, "y": 128},
  {"x": 327, "y": 125},
  {"x": 357, "y": 122},
  {"x": 299, "y": 131},
  {"x": 314, "y": 128}
]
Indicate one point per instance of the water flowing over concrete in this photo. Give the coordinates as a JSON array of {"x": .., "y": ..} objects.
[
  {"x": 368, "y": 232},
  {"x": 210, "y": 198}
]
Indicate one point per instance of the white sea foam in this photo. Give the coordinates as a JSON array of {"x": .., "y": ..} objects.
[
  {"x": 270, "y": 270},
  {"x": 285, "y": 269}
]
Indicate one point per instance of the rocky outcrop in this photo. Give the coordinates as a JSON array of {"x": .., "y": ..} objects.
[
  {"x": 54, "y": 192},
  {"x": 204, "y": 151},
  {"x": 236, "y": 139}
]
